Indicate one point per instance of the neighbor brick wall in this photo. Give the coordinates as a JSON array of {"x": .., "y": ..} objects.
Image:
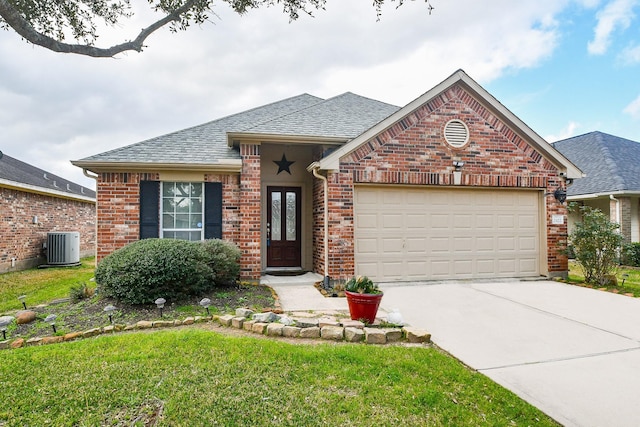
[
  {"x": 119, "y": 208},
  {"x": 23, "y": 240},
  {"x": 414, "y": 152}
]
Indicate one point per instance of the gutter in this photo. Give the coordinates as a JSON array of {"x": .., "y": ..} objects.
[
  {"x": 314, "y": 168},
  {"x": 617, "y": 208}
]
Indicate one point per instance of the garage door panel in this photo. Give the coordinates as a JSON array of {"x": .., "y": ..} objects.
[{"x": 427, "y": 233}]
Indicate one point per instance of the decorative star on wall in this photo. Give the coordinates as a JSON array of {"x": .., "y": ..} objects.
[{"x": 283, "y": 165}]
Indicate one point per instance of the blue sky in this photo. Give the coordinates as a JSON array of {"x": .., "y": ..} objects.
[{"x": 565, "y": 67}]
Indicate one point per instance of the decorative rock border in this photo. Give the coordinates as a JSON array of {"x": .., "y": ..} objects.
[{"x": 322, "y": 326}]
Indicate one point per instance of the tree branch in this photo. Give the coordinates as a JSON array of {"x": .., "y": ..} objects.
[{"x": 21, "y": 26}]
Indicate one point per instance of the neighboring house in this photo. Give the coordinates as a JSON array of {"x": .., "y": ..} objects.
[
  {"x": 612, "y": 182},
  {"x": 35, "y": 202},
  {"x": 451, "y": 186}
]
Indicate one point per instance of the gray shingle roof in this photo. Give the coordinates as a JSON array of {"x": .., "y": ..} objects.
[
  {"x": 14, "y": 170},
  {"x": 344, "y": 116},
  {"x": 612, "y": 164},
  {"x": 205, "y": 143}
]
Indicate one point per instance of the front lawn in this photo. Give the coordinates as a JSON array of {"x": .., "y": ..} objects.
[
  {"x": 630, "y": 275},
  {"x": 42, "y": 285},
  {"x": 196, "y": 377}
]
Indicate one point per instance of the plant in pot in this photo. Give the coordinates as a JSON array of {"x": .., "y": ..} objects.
[{"x": 363, "y": 297}]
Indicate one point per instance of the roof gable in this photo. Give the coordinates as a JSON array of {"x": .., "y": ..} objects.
[
  {"x": 332, "y": 161},
  {"x": 20, "y": 175},
  {"x": 611, "y": 163}
]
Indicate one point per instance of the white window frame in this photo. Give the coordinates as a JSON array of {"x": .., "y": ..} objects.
[{"x": 162, "y": 212}]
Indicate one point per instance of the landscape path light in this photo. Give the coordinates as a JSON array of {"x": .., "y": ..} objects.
[
  {"x": 625, "y": 276},
  {"x": 22, "y": 298},
  {"x": 160, "y": 303},
  {"x": 51, "y": 319},
  {"x": 4, "y": 323},
  {"x": 109, "y": 310},
  {"x": 206, "y": 302}
]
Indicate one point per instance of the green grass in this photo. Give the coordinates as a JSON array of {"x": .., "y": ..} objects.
[
  {"x": 42, "y": 285},
  {"x": 194, "y": 377},
  {"x": 631, "y": 282}
]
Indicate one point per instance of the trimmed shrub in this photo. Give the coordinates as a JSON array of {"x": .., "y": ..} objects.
[
  {"x": 152, "y": 268},
  {"x": 224, "y": 261},
  {"x": 596, "y": 243},
  {"x": 632, "y": 254}
]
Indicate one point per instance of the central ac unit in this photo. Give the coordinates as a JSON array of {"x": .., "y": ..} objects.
[{"x": 63, "y": 247}]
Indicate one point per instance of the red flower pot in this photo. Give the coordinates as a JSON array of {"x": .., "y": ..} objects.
[{"x": 363, "y": 306}]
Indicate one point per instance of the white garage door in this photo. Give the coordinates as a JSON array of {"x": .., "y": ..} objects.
[{"x": 446, "y": 233}]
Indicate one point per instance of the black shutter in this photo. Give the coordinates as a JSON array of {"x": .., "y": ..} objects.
[
  {"x": 213, "y": 210},
  {"x": 149, "y": 209}
]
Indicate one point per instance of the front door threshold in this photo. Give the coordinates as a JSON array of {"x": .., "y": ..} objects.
[{"x": 276, "y": 271}]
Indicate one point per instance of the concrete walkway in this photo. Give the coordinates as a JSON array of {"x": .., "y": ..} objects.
[{"x": 572, "y": 352}]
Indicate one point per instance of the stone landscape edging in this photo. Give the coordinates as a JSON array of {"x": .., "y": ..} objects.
[{"x": 270, "y": 324}]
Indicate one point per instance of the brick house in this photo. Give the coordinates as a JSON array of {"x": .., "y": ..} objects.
[
  {"x": 612, "y": 181},
  {"x": 35, "y": 202},
  {"x": 451, "y": 186}
]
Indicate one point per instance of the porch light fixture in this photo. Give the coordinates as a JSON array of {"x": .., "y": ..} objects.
[
  {"x": 206, "y": 302},
  {"x": 22, "y": 298},
  {"x": 160, "y": 304},
  {"x": 109, "y": 310},
  {"x": 51, "y": 319},
  {"x": 458, "y": 165},
  {"x": 560, "y": 195}
]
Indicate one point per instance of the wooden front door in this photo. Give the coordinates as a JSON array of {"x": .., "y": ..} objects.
[{"x": 284, "y": 241}]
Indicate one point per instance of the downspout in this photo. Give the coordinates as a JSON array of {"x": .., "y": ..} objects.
[
  {"x": 314, "y": 170},
  {"x": 95, "y": 178}
]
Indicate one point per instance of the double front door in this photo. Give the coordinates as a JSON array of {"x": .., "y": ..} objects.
[{"x": 284, "y": 241}]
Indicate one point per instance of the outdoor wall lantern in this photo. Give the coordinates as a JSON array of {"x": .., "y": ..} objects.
[
  {"x": 109, "y": 310},
  {"x": 22, "y": 298},
  {"x": 51, "y": 319},
  {"x": 560, "y": 195},
  {"x": 4, "y": 323},
  {"x": 160, "y": 303},
  {"x": 206, "y": 302}
]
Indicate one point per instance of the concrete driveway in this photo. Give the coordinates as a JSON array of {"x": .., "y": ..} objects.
[{"x": 572, "y": 352}]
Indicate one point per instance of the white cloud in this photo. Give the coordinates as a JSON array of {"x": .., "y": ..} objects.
[
  {"x": 630, "y": 55},
  {"x": 567, "y": 132},
  {"x": 633, "y": 109},
  {"x": 617, "y": 14},
  {"x": 62, "y": 107}
]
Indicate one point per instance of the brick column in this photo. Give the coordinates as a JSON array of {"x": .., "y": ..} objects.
[
  {"x": 341, "y": 226},
  {"x": 250, "y": 236},
  {"x": 625, "y": 218}
]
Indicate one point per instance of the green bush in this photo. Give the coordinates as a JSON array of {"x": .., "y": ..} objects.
[
  {"x": 224, "y": 261},
  {"x": 152, "y": 268},
  {"x": 632, "y": 254},
  {"x": 596, "y": 243}
]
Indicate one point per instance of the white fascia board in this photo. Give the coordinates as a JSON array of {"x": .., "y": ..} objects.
[{"x": 44, "y": 191}]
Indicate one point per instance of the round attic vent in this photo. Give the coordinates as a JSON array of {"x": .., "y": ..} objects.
[{"x": 456, "y": 133}]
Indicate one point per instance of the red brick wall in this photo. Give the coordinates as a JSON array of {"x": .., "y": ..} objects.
[
  {"x": 119, "y": 208},
  {"x": 250, "y": 235},
  {"x": 23, "y": 240},
  {"x": 414, "y": 152}
]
